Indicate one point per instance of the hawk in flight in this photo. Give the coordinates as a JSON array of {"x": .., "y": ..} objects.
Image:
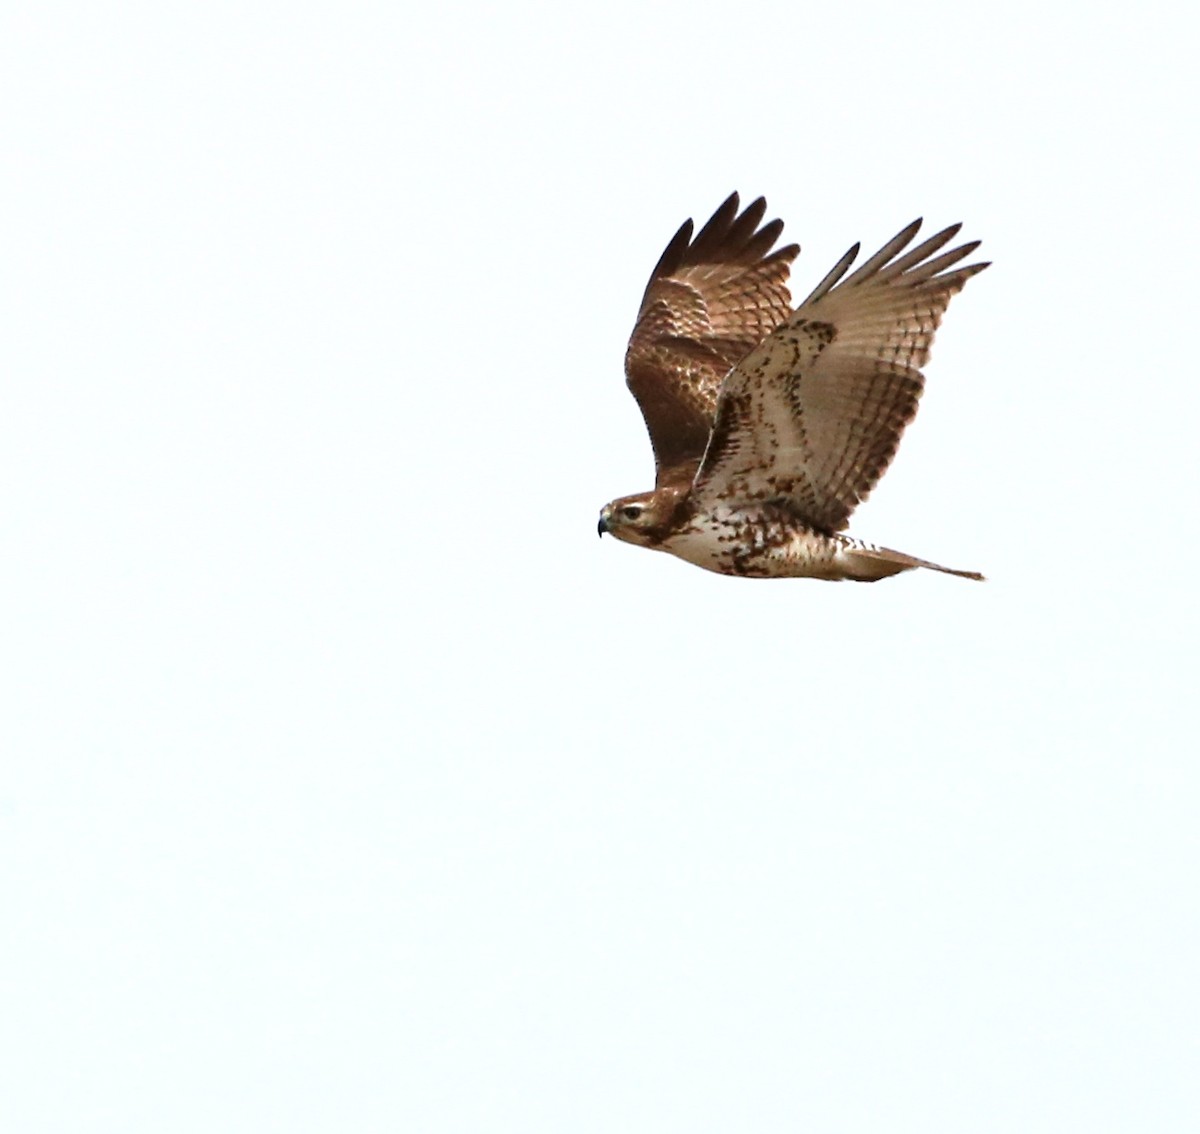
[{"x": 769, "y": 424}]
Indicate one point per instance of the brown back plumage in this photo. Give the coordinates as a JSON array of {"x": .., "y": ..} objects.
[{"x": 709, "y": 302}]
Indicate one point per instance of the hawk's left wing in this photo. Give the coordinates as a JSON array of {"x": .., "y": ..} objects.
[
  {"x": 709, "y": 300},
  {"x": 812, "y": 417}
]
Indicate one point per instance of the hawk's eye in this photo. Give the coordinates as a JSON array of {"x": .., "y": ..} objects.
[{"x": 631, "y": 511}]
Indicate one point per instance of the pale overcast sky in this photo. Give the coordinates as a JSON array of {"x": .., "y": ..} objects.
[{"x": 349, "y": 783}]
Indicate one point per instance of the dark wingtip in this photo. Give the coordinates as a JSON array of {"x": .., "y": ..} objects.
[{"x": 675, "y": 253}]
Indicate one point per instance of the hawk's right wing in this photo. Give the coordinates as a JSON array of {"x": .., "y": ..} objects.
[
  {"x": 710, "y": 300},
  {"x": 812, "y": 417}
]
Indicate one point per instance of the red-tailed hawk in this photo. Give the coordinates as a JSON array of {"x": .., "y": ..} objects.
[{"x": 770, "y": 425}]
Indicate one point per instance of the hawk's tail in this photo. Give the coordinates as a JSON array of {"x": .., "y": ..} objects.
[{"x": 870, "y": 563}]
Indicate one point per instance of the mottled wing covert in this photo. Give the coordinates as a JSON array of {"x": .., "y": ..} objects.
[
  {"x": 709, "y": 301},
  {"x": 812, "y": 417}
]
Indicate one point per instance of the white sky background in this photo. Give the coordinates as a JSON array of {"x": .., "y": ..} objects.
[{"x": 349, "y": 783}]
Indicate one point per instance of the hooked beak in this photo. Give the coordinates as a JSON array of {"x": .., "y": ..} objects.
[{"x": 602, "y": 526}]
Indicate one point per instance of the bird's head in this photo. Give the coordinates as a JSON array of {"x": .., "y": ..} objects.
[{"x": 638, "y": 519}]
